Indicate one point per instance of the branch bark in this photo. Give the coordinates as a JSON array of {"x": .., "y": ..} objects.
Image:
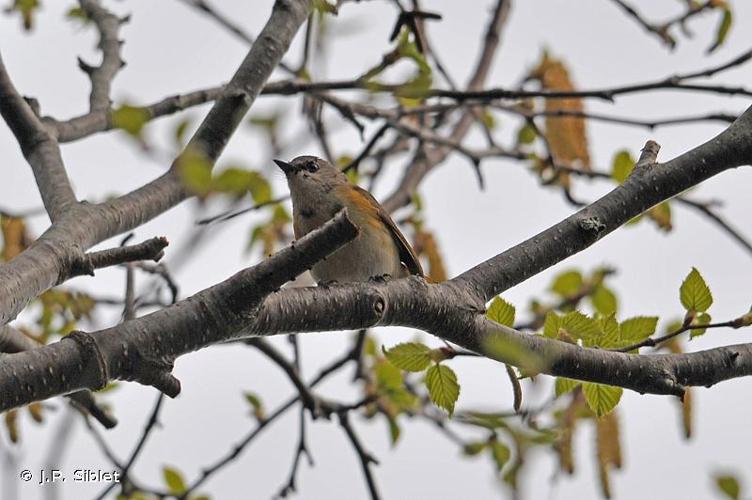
[
  {"x": 49, "y": 260},
  {"x": 144, "y": 349}
]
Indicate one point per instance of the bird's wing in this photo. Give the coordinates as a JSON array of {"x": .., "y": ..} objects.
[{"x": 406, "y": 252}]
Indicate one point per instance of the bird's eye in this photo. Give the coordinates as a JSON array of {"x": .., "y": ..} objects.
[{"x": 311, "y": 166}]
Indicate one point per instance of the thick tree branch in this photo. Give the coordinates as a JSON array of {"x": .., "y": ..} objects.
[
  {"x": 39, "y": 148},
  {"x": 131, "y": 351},
  {"x": 12, "y": 340},
  {"x": 645, "y": 188},
  {"x": 49, "y": 260}
]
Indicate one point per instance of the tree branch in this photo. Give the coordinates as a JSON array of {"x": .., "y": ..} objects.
[
  {"x": 645, "y": 188},
  {"x": 48, "y": 261},
  {"x": 39, "y": 148},
  {"x": 83, "y": 360}
]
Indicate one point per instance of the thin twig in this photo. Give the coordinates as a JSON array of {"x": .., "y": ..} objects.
[{"x": 366, "y": 459}]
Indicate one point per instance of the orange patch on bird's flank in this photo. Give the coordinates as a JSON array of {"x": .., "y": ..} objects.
[{"x": 361, "y": 209}]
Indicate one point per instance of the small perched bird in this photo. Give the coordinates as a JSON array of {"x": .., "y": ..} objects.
[{"x": 319, "y": 190}]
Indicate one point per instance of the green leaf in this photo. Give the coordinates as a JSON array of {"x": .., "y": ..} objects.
[
  {"x": 526, "y": 135},
  {"x": 259, "y": 187},
  {"x": 195, "y": 172},
  {"x": 622, "y": 166},
  {"x": 637, "y": 329},
  {"x": 256, "y": 405},
  {"x": 601, "y": 398},
  {"x": 388, "y": 376},
  {"x": 611, "y": 335},
  {"x": 230, "y": 180},
  {"x": 488, "y": 120},
  {"x": 474, "y": 448},
  {"x": 604, "y": 300},
  {"x": 443, "y": 388},
  {"x": 567, "y": 284},
  {"x": 78, "y": 14},
  {"x": 723, "y": 29},
  {"x": 528, "y": 361},
  {"x": 26, "y": 8},
  {"x": 661, "y": 216},
  {"x": 409, "y": 356},
  {"x": 174, "y": 481},
  {"x": 500, "y": 453},
  {"x": 130, "y": 119},
  {"x": 391, "y": 385},
  {"x": 551, "y": 325},
  {"x": 486, "y": 420},
  {"x": 324, "y": 7},
  {"x": 694, "y": 292},
  {"x": 728, "y": 485},
  {"x": 180, "y": 130},
  {"x": 394, "y": 430},
  {"x": 501, "y": 312},
  {"x": 564, "y": 385},
  {"x": 580, "y": 326},
  {"x": 700, "y": 319}
]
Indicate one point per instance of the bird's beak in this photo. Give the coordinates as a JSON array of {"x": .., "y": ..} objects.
[{"x": 287, "y": 168}]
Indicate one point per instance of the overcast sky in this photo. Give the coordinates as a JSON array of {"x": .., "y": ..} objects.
[{"x": 172, "y": 49}]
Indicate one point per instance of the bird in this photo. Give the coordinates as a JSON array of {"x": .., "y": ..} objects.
[{"x": 319, "y": 190}]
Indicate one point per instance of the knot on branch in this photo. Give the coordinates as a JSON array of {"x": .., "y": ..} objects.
[
  {"x": 592, "y": 225},
  {"x": 94, "y": 360},
  {"x": 649, "y": 154},
  {"x": 156, "y": 372}
]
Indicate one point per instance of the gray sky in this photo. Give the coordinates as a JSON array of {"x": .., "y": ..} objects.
[{"x": 171, "y": 49}]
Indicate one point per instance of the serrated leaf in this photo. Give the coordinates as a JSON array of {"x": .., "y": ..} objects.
[
  {"x": 567, "y": 284},
  {"x": 500, "y": 454},
  {"x": 501, "y": 312},
  {"x": 131, "y": 119},
  {"x": 564, "y": 385},
  {"x": 604, "y": 300},
  {"x": 580, "y": 326},
  {"x": 174, "y": 481},
  {"x": 611, "y": 336},
  {"x": 443, "y": 388},
  {"x": 637, "y": 329},
  {"x": 694, "y": 292},
  {"x": 728, "y": 485},
  {"x": 551, "y": 325},
  {"x": 700, "y": 319},
  {"x": 601, "y": 398},
  {"x": 409, "y": 356},
  {"x": 621, "y": 166}
]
